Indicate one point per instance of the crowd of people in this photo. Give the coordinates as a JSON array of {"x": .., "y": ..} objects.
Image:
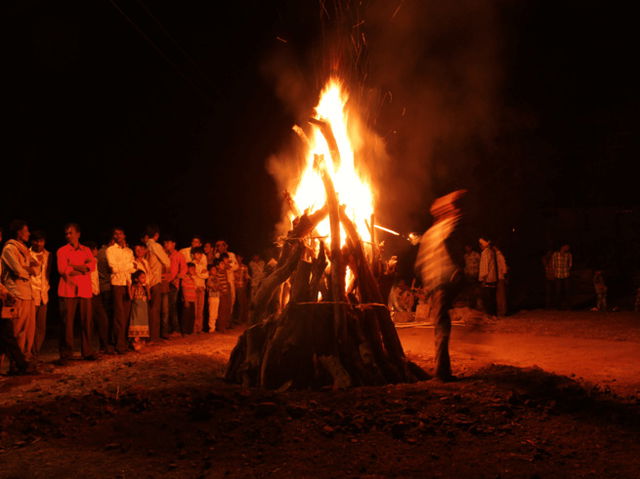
[{"x": 125, "y": 296}]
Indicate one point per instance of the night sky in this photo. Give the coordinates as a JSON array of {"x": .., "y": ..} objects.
[{"x": 127, "y": 112}]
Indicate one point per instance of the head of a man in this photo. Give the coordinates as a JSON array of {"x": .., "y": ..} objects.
[
  {"x": 208, "y": 247},
  {"x": 565, "y": 248},
  {"x": 19, "y": 230},
  {"x": 169, "y": 245},
  {"x": 38, "y": 241},
  {"x": 221, "y": 246},
  {"x": 140, "y": 250},
  {"x": 196, "y": 242},
  {"x": 197, "y": 253},
  {"x": 72, "y": 233},
  {"x": 152, "y": 232},
  {"x": 484, "y": 243},
  {"x": 93, "y": 247},
  {"x": 118, "y": 236}
]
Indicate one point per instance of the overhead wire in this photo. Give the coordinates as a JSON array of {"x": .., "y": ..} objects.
[
  {"x": 188, "y": 56},
  {"x": 159, "y": 50}
]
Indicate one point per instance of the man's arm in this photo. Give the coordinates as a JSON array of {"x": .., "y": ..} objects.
[
  {"x": 9, "y": 256},
  {"x": 158, "y": 250}
]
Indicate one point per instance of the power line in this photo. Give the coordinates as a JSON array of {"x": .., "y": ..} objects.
[
  {"x": 179, "y": 46},
  {"x": 160, "y": 51}
]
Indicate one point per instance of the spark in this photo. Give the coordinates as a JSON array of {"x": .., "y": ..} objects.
[{"x": 395, "y": 233}]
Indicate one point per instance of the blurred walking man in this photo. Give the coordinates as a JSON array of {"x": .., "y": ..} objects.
[{"x": 441, "y": 266}]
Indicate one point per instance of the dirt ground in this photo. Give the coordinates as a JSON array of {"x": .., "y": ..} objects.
[{"x": 540, "y": 394}]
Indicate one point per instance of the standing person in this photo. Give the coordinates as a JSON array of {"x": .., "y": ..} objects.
[
  {"x": 256, "y": 270},
  {"x": 120, "y": 259},
  {"x": 441, "y": 266},
  {"x": 178, "y": 268},
  {"x": 188, "y": 287},
  {"x": 196, "y": 242},
  {"x": 99, "y": 314},
  {"x": 40, "y": 288},
  {"x": 139, "y": 293},
  {"x": 17, "y": 269},
  {"x": 75, "y": 264},
  {"x": 549, "y": 279},
  {"x": 241, "y": 280},
  {"x": 493, "y": 270},
  {"x": 562, "y": 263},
  {"x": 104, "y": 281},
  {"x": 158, "y": 264},
  {"x": 223, "y": 248},
  {"x": 213, "y": 296},
  {"x": 14, "y": 286},
  {"x": 209, "y": 252},
  {"x": 201, "y": 275},
  {"x": 601, "y": 291},
  {"x": 222, "y": 285}
]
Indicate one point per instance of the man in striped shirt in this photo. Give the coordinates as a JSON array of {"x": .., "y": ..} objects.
[{"x": 562, "y": 261}]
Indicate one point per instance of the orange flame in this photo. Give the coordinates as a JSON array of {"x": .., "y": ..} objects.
[{"x": 353, "y": 190}]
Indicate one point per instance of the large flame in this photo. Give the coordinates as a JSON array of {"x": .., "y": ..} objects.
[{"x": 353, "y": 190}]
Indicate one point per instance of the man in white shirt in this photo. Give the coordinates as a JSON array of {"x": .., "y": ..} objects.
[
  {"x": 40, "y": 287},
  {"x": 159, "y": 263},
  {"x": 120, "y": 259}
]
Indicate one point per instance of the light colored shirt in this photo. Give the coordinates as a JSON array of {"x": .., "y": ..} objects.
[
  {"x": 433, "y": 262},
  {"x": 186, "y": 253},
  {"x": 95, "y": 282},
  {"x": 201, "y": 275},
  {"x": 74, "y": 284},
  {"x": 120, "y": 261},
  {"x": 493, "y": 266},
  {"x": 158, "y": 262},
  {"x": 40, "y": 281},
  {"x": 15, "y": 270}
]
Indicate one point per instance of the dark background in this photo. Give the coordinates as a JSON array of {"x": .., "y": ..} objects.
[{"x": 127, "y": 112}]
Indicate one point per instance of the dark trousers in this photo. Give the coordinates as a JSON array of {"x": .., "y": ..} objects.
[
  {"x": 69, "y": 307},
  {"x": 101, "y": 322},
  {"x": 562, "y": 293},
  {"x": 188, "y": 317},
  {"x": 441, "y": 302},
  {"x": 9, "y": 345},
  {"x": 121, "y": 311},
  {"x": 549, "y": 292},
  {"x": 154, "y": 312},
  {"x": 169, "y": 315},
  {"x": 41, "y": 328},
  {"x": 489, "y": 298}
]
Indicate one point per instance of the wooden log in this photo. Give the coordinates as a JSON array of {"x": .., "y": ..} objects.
[
  {"x": 337, "y": 266},
  {"x": 300, "y": 291},
  {"x": 317, "y": 273}
]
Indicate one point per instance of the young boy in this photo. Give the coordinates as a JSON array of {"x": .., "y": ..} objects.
[
  {"x": 220, "y": 282},
  {"x": 213, "y": 294},
  {"x": 189, "y": 298},
  {"x": 199, "y": 278}
]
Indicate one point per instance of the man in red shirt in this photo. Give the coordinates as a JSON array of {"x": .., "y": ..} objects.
[{"x": 75, "y": 264}]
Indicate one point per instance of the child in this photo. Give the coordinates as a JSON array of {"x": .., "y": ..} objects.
[
  {"x": 601, "y": 291},
  {"x": 139, "y": 319},
  {"x": 199, "y": 279},
  {"x": 189, "y": 298},
  {"x": 223, "y": 287},
  {"x": 213, "y": 294}
]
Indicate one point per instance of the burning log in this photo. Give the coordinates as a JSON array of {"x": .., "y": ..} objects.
[{"x": 327, "y": 339}]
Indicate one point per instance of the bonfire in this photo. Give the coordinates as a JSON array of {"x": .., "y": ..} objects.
[{"x": 319, "y": 318}]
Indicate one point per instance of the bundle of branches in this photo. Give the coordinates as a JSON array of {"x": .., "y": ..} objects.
[{"x": 325, "y": 339}]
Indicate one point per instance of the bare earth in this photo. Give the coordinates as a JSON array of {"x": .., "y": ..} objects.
[{"x": 541, "y": 394}]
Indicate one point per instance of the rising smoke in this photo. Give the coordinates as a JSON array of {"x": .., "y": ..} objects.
[{"x": 423, "y": 77}]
